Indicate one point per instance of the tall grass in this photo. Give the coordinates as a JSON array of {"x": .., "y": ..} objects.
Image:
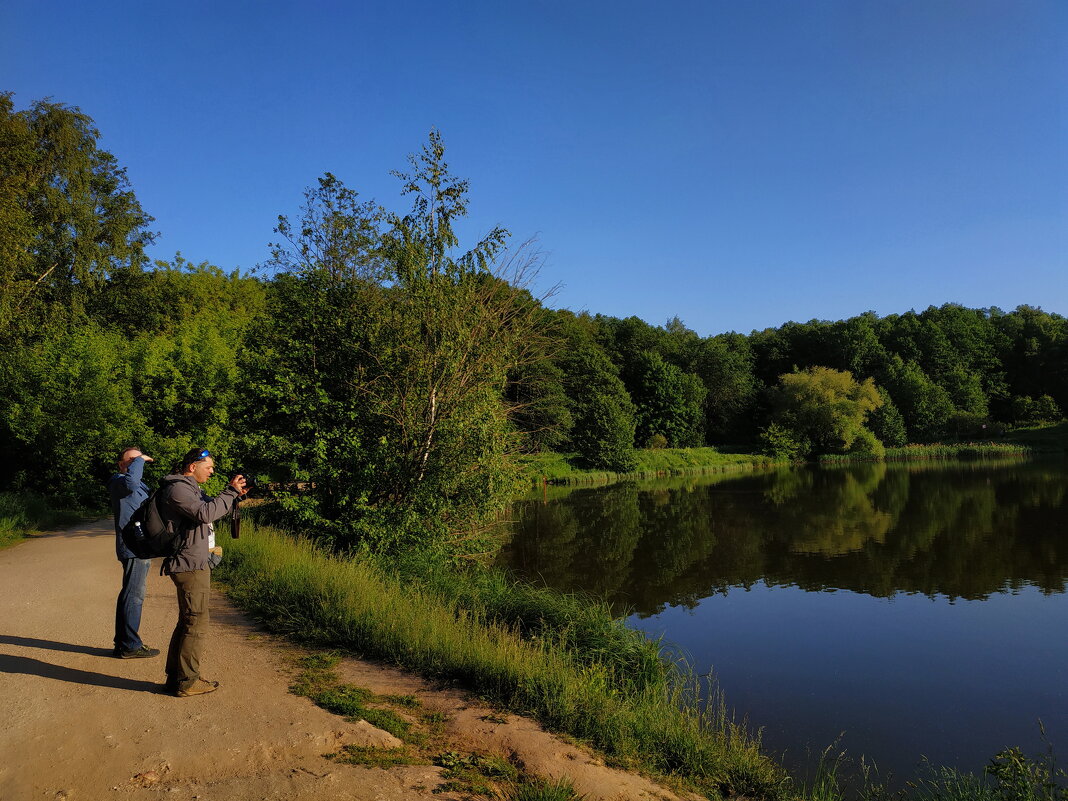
[
  {"x": 653, "y": 722},
  {"x": 25, "y": 514},
  {"x": 557, "y": 468},
  {"x": 582, "y": 626},
  {"x": 962, "y": 450}
]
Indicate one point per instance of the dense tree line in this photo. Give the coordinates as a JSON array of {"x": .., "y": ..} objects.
[
  {"x": 819, "y": 387},
  {"x": 385, "y": 376}
]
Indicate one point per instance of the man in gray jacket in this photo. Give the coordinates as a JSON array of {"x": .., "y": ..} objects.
[{"x": 193, "y": 512}]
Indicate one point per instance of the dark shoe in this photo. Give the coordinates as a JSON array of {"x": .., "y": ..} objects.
[
  {"x": 138, "y": 653},
  {"x": 198, "y": 687}
]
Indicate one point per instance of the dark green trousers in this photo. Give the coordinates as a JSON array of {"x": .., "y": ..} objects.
[{"x": 183, "y": 656}]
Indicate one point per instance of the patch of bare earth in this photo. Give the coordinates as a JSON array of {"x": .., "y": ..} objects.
[{"x": 80, "y": 724}]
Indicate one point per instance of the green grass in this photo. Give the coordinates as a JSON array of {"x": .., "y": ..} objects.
[
  {"x": 937, "y": 450},
  {"x": 23, "y": 515},
  {"x": 371, "y": 757},
  {"x": 582, "y": 626},
  {"x": 558, "y": 468},
  {"x": 1042, "y": 439},
  {"x": 319, "y": 683},
  {"x": 650, "y": 723},
  {"x": 545, "y": 790}
]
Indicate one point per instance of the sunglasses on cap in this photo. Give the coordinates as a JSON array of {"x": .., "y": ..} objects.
[{"x": 195, "y": 455}]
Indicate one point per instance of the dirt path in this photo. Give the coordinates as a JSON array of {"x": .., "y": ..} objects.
[{"x": 78, "y": 724}]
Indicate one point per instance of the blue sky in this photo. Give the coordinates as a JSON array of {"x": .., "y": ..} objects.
[{"x": 738, "y": 164}]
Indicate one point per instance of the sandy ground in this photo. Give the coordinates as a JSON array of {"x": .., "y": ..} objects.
[{"x": 78, "y": 724}]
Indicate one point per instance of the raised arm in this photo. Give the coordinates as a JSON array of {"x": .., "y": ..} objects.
[
  {"x": 188, "y": 501},
  {"x": 127, "y": 483}
]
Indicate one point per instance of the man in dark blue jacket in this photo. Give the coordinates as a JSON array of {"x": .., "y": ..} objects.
[{"x": 127, "y": 491}]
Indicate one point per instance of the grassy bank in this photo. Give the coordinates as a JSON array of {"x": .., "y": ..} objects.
[
  {"x": 559, "y": 468},
  {"x": 564, "y": 661},
  {"x": 937, "y": 450},
  {"x": 1041, "y": 439},
  {"x": 563, "y": 469},
  {"x": 561, "y": 661},
  {"x": 23, "y": 515}
]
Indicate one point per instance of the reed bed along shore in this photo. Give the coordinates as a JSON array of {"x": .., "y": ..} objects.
[
  {"x": 528, "y": 651},
  {"x": 558, "y": 468},
  {"x": 960, "y": 450}
]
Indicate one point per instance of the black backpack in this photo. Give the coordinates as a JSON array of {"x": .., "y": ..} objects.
[{"x": 148, "y": 535}]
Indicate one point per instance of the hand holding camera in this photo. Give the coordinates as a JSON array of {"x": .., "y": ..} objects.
[{"x": 242, "y": 481}]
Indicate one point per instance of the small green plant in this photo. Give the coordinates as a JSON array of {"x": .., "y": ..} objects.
[
  {"x": 656, "y": 442},
  {"x": 474, "y": 773},
  {"x": 319, "y": 682},
  {"x": 406, "y": 701},
  {"x": 372, "y": 757},
  {"x": 1023, "y": 778},
  {"x": 545, "y": 790},
  {"x": 1010, "y": 776},
  {"x": 434, "y": 718}
]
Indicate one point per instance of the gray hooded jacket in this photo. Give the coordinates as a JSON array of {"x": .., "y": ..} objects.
[{"x": 186, "y": 505}]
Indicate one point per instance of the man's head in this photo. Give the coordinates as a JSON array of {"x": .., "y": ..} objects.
[
  {"x": 127, "y": 455},
  {"x": 198, "y": 464}
]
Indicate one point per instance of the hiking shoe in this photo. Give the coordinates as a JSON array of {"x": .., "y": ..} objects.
[
  {"x": 138, "y": 653},
  {"x": 198, "y": 687}
]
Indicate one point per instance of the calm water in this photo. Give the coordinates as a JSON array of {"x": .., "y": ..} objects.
[{"x": 901, "y": 610}]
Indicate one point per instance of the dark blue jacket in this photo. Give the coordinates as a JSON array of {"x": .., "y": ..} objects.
[{"x": 127, "y": 491}]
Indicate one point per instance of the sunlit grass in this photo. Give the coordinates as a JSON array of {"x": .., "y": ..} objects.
[
  {"x": 557, "y": 468},
  {"x": 959, "y": 450},
  {"x": 652, "y": 723},
  {"x": 560, "y": 659}
]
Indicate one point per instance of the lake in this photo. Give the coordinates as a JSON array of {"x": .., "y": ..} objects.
[{"x": 897, "y": 610}]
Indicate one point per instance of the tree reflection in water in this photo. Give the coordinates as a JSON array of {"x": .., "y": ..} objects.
[{"x": 961, "y": 530}]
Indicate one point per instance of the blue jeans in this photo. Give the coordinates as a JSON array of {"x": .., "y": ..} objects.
[{"x": 128, "y": 606}]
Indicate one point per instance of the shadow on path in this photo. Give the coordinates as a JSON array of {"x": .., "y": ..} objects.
[
  {"x": 52, "y": 645},
  {"x": 35, "y": 667}
]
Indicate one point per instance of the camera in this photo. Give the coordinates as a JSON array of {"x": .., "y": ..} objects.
[{"x": 250, "y": 481}]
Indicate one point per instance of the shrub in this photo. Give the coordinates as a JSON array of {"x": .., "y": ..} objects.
[
  {"x": 866, "y": 444},
  {"x": 781, "y": 443},
  {"x": 656, "y": 442}
]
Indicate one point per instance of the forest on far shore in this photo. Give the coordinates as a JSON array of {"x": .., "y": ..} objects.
[{"x": 394, "y": 373}]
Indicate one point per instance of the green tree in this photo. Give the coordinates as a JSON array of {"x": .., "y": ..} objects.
[
  {"x": 783, "y": 443},
  {"x": 725, "y": 366},
  {"x": 69, "y": 405},
  {"x": 540, "y": 407},
  {"x": 886, "y": 422},
  {"x": 603, "y": 431},
  {"x": 1034, "y": 411},
  {"x": 669, "y": 403},
  {"x": 390, "y": 357},
  {"x": 855, "y": 345},
  {"x": 825, "y": 407},
  {"x": 925, "y": 406},
  {"x": 68, "y": 217}
]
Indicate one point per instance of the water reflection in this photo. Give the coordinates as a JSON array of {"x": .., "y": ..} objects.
[
  {"x": 963, "y": 531},
  {"x": 944, "y": 636}
]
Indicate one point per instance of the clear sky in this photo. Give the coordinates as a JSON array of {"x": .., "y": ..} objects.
[{"x": 738, "y": 164}]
